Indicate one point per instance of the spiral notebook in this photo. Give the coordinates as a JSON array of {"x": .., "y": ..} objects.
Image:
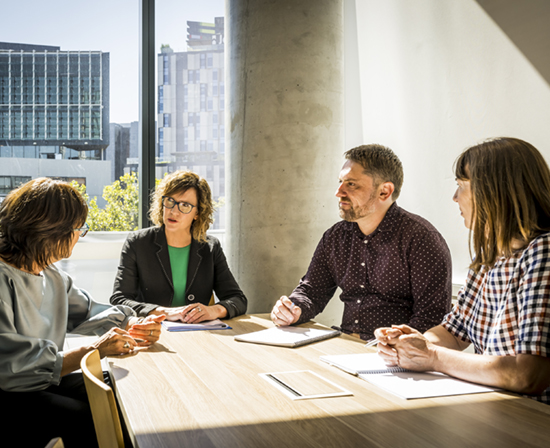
[
  {"x": 361, "y": 364},
  {"x": 404, "y": 383}
]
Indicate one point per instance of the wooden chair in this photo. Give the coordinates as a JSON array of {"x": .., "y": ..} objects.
[
  {"x": 56, "y": 443},
  {"x": 102, "y": 403}
]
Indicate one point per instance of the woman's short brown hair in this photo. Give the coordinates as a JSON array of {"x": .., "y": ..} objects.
[
  {"x": 179, "y": 182},
  {"x": 37, "y": 222},
  {"x": 510, "y": 185}
]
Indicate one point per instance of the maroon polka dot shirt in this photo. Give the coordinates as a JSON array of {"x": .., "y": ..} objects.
[{"x": 399, "y": 274}]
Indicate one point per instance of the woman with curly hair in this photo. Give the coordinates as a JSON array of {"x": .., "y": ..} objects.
[{"x": 173, "y": 267}]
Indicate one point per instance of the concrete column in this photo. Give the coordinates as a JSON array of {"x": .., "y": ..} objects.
[{"x": 285, "y": 129}]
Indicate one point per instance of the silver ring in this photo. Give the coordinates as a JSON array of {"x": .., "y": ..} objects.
[
  {"x": 199, "y": 308},
  {"x": 126, "y": 345},
  {"x": 151, "y": 333}
]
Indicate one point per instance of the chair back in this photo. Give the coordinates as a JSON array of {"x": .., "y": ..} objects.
[
  {"x": 102, "y": 403},
  {"x": 56, "y": 443}
]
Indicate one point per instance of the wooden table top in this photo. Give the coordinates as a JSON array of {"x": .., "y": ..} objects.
[{"x": 203, "y": 389}]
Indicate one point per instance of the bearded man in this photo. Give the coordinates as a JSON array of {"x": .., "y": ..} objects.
[{"x": 392, "y": 266}]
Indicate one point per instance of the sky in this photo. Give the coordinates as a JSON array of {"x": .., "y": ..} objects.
[{"x": 105, "y": 25}]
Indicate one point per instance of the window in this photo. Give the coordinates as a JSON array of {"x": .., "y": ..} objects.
[
  {"x": 166, "y": 120},
  {"x": 161, "y": 99},
  {"x": 80, "y": 180},
  {"x": 8, "y": 183},
  {"x": 166, "y": 69},
  {"x": 63, "y": 97}
]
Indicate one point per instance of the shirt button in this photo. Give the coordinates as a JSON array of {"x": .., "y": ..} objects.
[
  {"x": 359, "y": 301},
  {"x": 362, "y": 286},
  {"x": 362, "y": 264},
  {"x": 356, "y": 321},
  {"x": 190, "y": 297},
  {"x": 366, "y": 241}
]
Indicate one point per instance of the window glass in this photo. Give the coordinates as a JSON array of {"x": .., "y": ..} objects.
[
  {"x": 196, "y": 59},
  {"x": 68, "y": 102}
]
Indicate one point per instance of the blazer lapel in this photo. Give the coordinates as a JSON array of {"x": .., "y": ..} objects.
[
  {"x": 162, "y": 255},
  {"x": 195, "y": 259}
]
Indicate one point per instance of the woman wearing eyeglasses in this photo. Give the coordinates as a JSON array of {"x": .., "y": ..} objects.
[
  {"x": 172, "y": 268},
  {"x": 40, "y": 223}
]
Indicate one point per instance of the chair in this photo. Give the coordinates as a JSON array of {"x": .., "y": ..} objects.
[
  {"x": 56, "y": 443},
  {"x": 102, "y": 402}
]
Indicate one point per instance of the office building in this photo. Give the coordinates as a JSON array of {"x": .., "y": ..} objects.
[
  {"x": 191, "y": 104},
  {"x": 54, "y": 115}
]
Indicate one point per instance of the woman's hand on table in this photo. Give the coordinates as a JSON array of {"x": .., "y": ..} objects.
[
  {"x": 115, "y": 342},
  {"x": 405, "y": 347},
  {"x": 192, "y": 314},
  {"x": 147, "y": 330}
]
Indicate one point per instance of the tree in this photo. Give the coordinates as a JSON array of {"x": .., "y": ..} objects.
[{"x": 121, "y": 211}]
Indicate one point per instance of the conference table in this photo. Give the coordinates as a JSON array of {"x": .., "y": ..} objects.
[{"x": 204, "y": 389}]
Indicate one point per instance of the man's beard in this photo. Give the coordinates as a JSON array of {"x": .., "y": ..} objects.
[{"x": 354, "y": 214}]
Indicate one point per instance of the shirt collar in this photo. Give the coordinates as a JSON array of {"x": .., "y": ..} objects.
[{"x": 387, "y": 223}]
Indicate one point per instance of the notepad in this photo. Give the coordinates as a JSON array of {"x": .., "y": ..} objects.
[
  {"x": 404, "y": 383},
  {"x": 287, "y": 336},
  {"x": 215, "y": 324},
  {"x": 304, "y": 384},
  {"x": 361, "y": 363}
]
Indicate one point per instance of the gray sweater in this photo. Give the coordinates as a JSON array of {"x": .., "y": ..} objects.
[{"x": 36, "y": 312}]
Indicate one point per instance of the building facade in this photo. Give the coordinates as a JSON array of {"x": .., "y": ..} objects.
[
  {"x": 54, "y": 105},
  {"x": 191, "y": 108}
]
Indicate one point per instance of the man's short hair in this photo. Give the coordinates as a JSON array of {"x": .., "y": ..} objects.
[{"x": 380, "y": 163}]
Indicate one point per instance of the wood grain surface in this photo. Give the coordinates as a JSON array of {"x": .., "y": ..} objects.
[{"x": 203, "y": 389}]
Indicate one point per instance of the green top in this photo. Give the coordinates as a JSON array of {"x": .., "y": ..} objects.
[{"x": 179, "y": 260}]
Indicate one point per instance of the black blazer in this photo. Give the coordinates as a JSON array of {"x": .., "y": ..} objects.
[{"x": 144, "y": 276}]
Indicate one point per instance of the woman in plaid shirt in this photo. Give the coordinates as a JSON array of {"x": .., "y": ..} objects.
[{"x": 504, "y": 308}]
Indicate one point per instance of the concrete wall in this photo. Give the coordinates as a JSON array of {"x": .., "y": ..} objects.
[{"x": 285, "y": 128}]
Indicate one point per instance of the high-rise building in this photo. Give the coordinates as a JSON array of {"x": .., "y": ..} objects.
[
  {"x": 191, "y": 104},
  {"x": 54, "y": 115}
]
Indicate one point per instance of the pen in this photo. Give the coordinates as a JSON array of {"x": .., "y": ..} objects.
[{"x": 371, "y": 343}]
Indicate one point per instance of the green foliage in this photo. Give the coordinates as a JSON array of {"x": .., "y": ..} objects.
[{"x": 121, "y": 211}]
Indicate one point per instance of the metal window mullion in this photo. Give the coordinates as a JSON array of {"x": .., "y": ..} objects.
[
  {"x": 33, "y": 94},
  {"x": 21, "y": 99},
  {"x": 78, "y": 99},
  {"x": 90, "y": 95},
  {"x": 147, "y": 108},
  {"x": 57, "y": 103},
  {"x": 10, "y": 109}
]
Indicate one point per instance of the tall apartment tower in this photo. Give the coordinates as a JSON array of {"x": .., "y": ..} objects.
[
  {"x": 54, "y": 115},
  {"x": 191, "y": 104}
]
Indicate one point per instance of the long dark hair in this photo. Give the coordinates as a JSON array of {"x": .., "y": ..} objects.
[
  {"x": 510, "y": 184},
  {"x": 37, "y": 222}
]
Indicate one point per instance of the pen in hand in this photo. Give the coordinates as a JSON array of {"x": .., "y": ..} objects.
[{"x": 372, "y": 342}]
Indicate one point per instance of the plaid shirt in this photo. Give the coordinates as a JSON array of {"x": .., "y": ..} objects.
[{"x": 506, "y": 311}]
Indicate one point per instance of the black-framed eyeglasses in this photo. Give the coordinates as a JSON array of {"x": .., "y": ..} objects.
[
  {"x": 83, "y": 230},
  {"x": 183, "y": 207}
]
